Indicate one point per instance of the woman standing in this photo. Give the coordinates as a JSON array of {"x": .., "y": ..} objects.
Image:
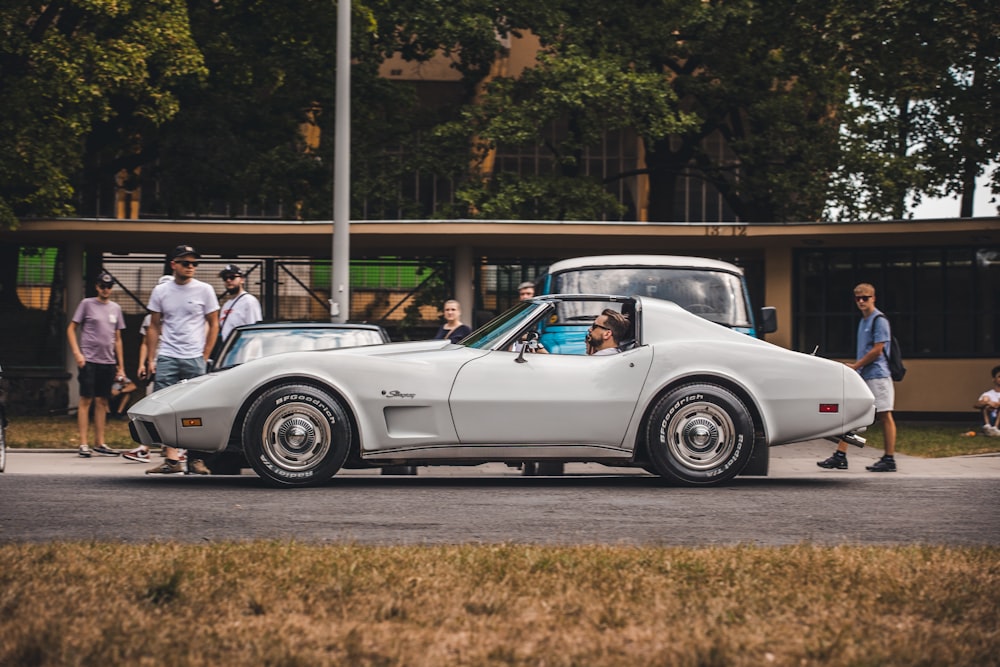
[{"x": 452, "y": 329}]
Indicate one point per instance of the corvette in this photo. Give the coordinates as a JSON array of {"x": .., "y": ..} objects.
[{"x": 686, "y": 399}]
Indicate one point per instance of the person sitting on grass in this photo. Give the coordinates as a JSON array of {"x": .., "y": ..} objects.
[{"x": 989, "y": 404}]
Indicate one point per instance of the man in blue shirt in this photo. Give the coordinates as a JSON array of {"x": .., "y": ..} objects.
[{"x": 874, "y": 336}]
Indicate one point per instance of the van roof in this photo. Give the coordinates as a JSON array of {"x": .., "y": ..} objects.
[{"x": 667, "y": 261}]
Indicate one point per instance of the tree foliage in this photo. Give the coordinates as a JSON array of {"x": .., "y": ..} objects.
[
  {"x": 922, "y": 120},
  {"x": 74, "y": 69},
  {"x": 789, "y": 110},
  {"x": 750, "y": 88}
]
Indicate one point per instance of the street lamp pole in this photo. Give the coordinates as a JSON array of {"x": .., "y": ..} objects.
[{"x": 340, "y": 270}]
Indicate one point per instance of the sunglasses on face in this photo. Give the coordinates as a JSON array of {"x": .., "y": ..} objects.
[
  {"x": 862, "y": 297},
  {"x": 230, "y": 277},
  {"x": 185, "y": 263},
  {"x": 105, "y": 286},
  {"x": 599, "y": 326}
]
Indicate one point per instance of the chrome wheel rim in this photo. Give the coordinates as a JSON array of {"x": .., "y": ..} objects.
[
  {"x": 700, "y": 437},
  {"x": 296, "y": 438}
]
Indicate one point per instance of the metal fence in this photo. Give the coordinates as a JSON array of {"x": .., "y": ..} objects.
[{"x": 401, "y": 295}]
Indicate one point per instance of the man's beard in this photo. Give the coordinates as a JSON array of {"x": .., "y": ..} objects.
[{"x": 233, "y": 290}]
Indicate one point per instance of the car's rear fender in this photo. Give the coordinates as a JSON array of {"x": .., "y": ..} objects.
[{"x": 760, "y": 435}]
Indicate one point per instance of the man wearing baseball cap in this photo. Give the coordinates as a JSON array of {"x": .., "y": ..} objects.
[
  {"x": 99, "y": 358},
  {"x": 241, "y": 307},
  {"x": 184, "y": 324}
]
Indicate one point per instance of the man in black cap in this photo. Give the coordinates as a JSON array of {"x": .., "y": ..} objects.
[
  {"x": 184, "y": 324},
  {"x": 241, "y": 307},
  {"x": 99, "y": 357}
]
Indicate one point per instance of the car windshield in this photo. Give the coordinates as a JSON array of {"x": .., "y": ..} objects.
[
  {"x": 714, "y": 295},
  {"x": 255, "y": 343},
  {"x": 488, "y": 335}
]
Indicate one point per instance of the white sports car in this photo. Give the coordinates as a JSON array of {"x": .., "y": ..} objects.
[{"x": 687, "y": 399}]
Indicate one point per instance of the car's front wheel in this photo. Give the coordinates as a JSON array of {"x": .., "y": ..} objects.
[
  {"x": 700, "y": 434},
  {"x": 296, "y": 435}
]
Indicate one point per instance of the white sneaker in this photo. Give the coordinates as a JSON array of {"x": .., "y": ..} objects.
[
  {"x": 991, "y": 430},
  {"x": 84, "y": 452},
  {"x": 140, "y": 454}
]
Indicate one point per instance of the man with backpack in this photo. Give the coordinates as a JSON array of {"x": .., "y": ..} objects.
[{"x": 873, "y": 350}]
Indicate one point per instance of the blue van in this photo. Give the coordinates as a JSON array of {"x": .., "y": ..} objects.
[{"x": 709, "y": 288}]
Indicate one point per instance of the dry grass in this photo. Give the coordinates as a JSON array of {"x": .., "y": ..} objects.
[
  {"x": 270, "y": 603},
  {"x": 62, "y": 432}
]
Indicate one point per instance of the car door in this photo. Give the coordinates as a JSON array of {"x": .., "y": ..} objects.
[{"x": 549, "y": 398}]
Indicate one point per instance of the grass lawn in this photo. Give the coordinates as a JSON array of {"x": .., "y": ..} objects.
[
  {"x": 924, "y": 439},
  {"x": 276, "y": 603}
]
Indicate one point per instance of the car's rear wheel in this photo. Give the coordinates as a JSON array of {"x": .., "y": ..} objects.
[
  {"x": 700, "y": 434},
  {"x": 296, "y": 435}
]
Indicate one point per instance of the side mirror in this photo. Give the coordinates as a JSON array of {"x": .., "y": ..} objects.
[
  {"x": 768, "y": 320},
  {"x": 528, "y": 342}
]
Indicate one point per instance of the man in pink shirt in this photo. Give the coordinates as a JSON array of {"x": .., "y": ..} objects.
[{"x": 98, "y": 355}]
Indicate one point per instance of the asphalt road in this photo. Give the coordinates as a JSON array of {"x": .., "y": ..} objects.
[{"x": 953, "y": 501}]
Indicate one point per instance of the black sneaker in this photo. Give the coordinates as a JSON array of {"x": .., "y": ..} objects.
[
  {"x": 834, "y": 463},
  {"x": 884, "y": 464}
]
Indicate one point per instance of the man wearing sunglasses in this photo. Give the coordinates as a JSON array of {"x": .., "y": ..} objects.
[
  {"x": 241, "y": 307},
  {"x": 606, "y": 333},
  {"x": 874, "y": 336},
  {"x": 183, "y": 327},
  {"x": 99, "y": 358}
]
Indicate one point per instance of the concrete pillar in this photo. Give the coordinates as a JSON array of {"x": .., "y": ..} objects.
[
  {"x": 75, "y": 283},
  {"x": 465, "y": 290},
  {"x": 778, "y": 292}
]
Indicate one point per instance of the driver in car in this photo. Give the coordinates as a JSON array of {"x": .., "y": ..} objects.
[{"x": 607, "y": 332}]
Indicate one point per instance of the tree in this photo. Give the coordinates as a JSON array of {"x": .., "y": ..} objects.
[
  {"x": 922, "y": 119},
  {"x": 566, "y": 103},
  {"x": 72, "y": 67},
  {"x": 761, "y": 80}
]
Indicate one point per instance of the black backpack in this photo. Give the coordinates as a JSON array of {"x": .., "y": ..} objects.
[{"x": 895, "y": 358}]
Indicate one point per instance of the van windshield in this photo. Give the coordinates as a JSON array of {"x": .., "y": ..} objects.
[{"x": 715, "y": 295}]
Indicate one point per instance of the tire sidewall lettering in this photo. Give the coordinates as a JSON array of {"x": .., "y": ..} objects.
[
  {"x": 677, "y": 405},
  {"x": 660, "y": 430},
  {"x": 287, "y": 402},
  {"x": 287, "y": 474},
  {"x": 282, "y": 401}
]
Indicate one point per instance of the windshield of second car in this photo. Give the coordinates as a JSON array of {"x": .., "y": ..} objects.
[
  {"x": 714, "y": 295},
  {"x": 253, "y": 344}
]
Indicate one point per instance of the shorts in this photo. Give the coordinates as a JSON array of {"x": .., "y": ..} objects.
[
  {"x": 96, "y": 380},
  {"x": 885, "y": 393},
  {"x": 170, "y": 371}
]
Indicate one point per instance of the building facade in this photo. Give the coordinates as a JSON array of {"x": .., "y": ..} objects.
[{"x": 937, "y": 280}]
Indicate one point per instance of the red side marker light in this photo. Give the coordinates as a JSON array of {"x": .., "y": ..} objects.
[
  {"x": 829, "y": 407},
  {"x": 191, "y": 421}
]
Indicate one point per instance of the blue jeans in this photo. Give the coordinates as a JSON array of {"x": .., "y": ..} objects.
[{"x": 170, "y": 371}]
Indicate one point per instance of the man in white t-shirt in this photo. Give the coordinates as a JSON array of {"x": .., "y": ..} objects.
[
  {"x": 989, "y": 404},
  {"x": 184, "y": 324},
  {"x": 241, "y": 307}
]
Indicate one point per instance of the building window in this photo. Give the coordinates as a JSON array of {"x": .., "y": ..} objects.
[{"x": 942, "y": 302}]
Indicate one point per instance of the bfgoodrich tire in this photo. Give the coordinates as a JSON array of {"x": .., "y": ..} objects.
[
  {"x": 700, "y": 434},
  {"x": 296, "y": 435}
]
